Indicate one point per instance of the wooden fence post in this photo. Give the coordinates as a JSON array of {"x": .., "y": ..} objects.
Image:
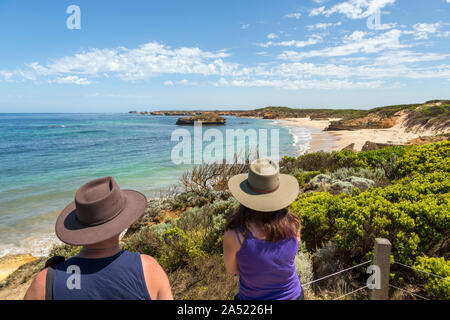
[{"x": 382, "y": 259}]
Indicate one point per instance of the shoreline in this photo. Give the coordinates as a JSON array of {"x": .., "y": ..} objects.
[
  {"x": 313, "y": 139},
  {"x": 396, "y": 135},
  {"x": 319, "y": 140}
]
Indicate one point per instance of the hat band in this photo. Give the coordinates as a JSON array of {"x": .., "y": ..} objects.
[
  {"x": 262, "y": 191},
  {"x": 104, "y": 220}
]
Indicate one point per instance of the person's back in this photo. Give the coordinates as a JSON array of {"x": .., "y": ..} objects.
[
  {"x": 100, "y": 213},
  {"x": 119, "y": 277},
  {"x": 261, "y": 238},
  {"x": 267, "y": 269}
]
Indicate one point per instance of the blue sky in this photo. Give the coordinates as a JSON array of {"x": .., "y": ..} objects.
[{"x": 211, "y": 54}]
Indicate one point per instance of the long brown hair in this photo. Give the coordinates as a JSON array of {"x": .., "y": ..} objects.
[{"x": 277, "y": 225}]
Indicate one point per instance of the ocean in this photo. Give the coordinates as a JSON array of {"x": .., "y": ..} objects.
[{"x": 44, "y": 158}]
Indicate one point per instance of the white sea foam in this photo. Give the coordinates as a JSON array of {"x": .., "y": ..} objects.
[
  {"x": 38, "y": 245},
  {"x": 302, "y": 136}
]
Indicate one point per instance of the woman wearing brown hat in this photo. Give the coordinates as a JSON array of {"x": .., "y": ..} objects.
[
  {"x": 261, "y": 238},
  {"x": 101, "y": 271}
]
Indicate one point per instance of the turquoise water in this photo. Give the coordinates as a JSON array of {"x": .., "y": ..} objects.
[{"x": 44, "y": 158}]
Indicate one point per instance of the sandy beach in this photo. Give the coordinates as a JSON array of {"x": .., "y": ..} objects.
[
  {"x": 337, "y": 140},
  {"x": 321, "y": 140},
  {"x": 8, "y": 264}
]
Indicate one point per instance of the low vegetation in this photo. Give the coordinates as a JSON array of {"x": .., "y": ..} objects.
[{"x": 408, "y": 203}]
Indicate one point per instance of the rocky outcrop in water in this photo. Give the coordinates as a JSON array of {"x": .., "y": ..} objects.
[{"x": 204, "y": 118}]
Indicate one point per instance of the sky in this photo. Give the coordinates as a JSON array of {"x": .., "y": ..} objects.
[{"x": 117, "y": 56}]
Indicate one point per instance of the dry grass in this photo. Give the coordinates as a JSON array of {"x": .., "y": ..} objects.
[
  {"x": 204, "y": 279},
  {"x": 211, "y": 176}
]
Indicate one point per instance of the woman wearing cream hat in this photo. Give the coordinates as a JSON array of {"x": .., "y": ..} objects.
[{"x": 261, "y": 238}]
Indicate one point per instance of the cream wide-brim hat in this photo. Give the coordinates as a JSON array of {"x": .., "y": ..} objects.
[{"x": 264, "y": 188}]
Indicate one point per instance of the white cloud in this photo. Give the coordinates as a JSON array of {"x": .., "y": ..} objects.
[
  {"x": 289, "y": 84},
  {"x": 314, "y": 39},
  {"x": 272, "y": 36},
  {"x": 365, "y": 60},
  {"x": 245, "y": 26},
  {"x": 147, "y": 60},
  {"x": 352, "y": 44},
  {"x": 71, "y": 80},
  {"x": 295, "y": 15},
  {"x": 6, "y": 74},
  {"x": 353, "y": 9},
  {"x": 317, "y": 11},
  {"x": 323, "y": 26},
  {"x": 422, "y": 30},
  {"x": 408, "y": 57}
]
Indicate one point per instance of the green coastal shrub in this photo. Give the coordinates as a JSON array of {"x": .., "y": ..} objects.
[
  {"x": 304, "y": 177},
  {"x": 321, "y": 161},
  {"x": 413, "y": 214},
  {"x": 178, "y": 249},
  {"x": 426, "y": 159},
  {"x": 198, "y": 232},
  {"x": 376, "y": 164},
  {"x": 436, "y": 287},
  {"x": 303, "y": 265},
  {"x": 146, "y": 241}
]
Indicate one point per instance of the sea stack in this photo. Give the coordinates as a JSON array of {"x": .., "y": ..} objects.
[{"x": 204, "y": 118}]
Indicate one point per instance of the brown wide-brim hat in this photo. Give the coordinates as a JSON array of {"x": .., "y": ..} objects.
[
  {"x": 264, "y": 189},
  {"x": 100, "y": 211}
]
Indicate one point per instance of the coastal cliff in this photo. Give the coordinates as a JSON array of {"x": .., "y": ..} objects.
[{"x": 432, "y": 115}]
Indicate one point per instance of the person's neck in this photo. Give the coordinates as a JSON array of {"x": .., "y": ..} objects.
[{"x": 99, "y": 252}]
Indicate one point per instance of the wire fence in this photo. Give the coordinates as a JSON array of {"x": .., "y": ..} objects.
[
  {"x": 418, "y": 270},
  {"x": 347, "y": 294},
  {"x": 336, "y": 273},
  {"x": 406, "y": 291},
  {"x": 431, "y": 274},
  {"x": 366, "y": 286}
]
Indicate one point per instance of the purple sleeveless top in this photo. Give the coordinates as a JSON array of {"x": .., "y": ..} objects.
[
  {"x": 267, "y": 269},
  {"x": 119, "y": 277}
]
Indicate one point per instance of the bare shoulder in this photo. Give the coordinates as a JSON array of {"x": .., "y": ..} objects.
[
  {"x": 156, "y": 279},
  {"x": 230, "y": 239},
  {"x": 149, "y": 264},
  {"x": 229, "y": 236},
  {"x": 36, "y": 291},
  {"x": 149, "y": 261}
]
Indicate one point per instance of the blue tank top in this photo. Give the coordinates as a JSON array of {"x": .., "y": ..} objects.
[
  {"x": 119, "y": 277},
  {"x": 267, "y": 269}
]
